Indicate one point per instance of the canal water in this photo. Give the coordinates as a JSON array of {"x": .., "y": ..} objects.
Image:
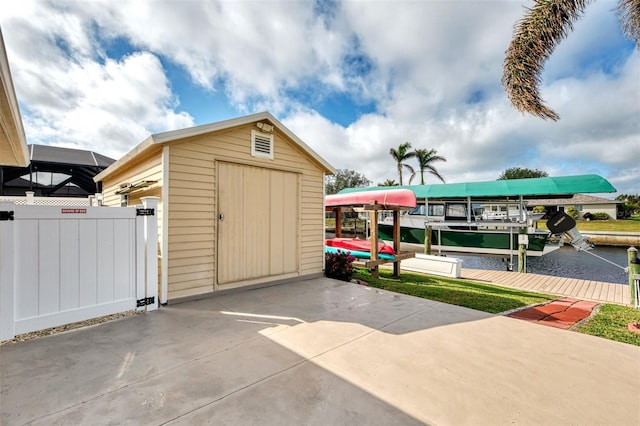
[{"x": 564, "y": 262}]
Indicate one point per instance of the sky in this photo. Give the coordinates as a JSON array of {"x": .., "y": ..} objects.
[{"x": 352, "y": 79}]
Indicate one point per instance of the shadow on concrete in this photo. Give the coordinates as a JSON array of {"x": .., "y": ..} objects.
[{"x": 317, "y": 352}]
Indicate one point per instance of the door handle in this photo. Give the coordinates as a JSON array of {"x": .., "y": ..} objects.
[{"x": 221, "y": 216}]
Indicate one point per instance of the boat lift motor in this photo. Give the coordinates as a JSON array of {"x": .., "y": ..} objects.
[{"x": 562, "y": 223}]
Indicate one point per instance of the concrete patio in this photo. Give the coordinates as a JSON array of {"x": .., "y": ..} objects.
[{"x": 319, "y": 352}]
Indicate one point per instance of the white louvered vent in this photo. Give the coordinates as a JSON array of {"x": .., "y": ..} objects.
[{"x": 261, "y": 145}]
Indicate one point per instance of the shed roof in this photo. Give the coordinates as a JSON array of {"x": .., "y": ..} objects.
[
  {"x": 170, "y": 136},
  {"x": 534, "y": 187}
]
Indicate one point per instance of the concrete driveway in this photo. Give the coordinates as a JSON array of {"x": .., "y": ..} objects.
[{"x": 319, "y": 352}]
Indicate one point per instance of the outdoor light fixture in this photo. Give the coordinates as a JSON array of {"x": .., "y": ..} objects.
[{"x": 264, "y": 127}]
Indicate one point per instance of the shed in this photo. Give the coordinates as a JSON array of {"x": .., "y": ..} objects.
[{"x": 241, "y": 204}]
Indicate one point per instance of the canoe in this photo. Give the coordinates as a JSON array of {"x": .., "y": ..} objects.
[
  {"x": 357, "y": 253},
  {"x": 393, "y": 198},
  {"x": 358, "y": 245}
]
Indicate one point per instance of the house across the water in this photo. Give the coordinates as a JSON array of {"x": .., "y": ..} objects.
[{"x": 582, "y": 203}]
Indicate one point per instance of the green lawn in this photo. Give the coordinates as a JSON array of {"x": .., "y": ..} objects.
[
  {"x": 483, "y": 297},
  {"x": 624, "y": 225},
  {"x": 610, "y": 322}
]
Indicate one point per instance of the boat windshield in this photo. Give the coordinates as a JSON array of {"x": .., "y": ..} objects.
[
  {"x": 434, "y": 210},
  {"x": 456, "y": 210},
  {"x": 418, "y": 211}
]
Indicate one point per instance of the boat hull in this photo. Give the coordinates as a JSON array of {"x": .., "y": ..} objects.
[{"x": 490, "y": 241}]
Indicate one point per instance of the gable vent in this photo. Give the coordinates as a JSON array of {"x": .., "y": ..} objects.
[{"x": 261, "y": 145}]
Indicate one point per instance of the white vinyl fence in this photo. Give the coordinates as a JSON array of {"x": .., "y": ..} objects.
[{"x": 62, "y": 264}]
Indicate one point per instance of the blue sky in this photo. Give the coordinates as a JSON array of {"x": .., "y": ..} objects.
[{"x": 352, "y": 79}]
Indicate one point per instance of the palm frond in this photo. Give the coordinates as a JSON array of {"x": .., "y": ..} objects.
[
  {"x": 629, "y": 15},
  {"x": 535, "y": 38},
  {"x": 425, "y": 159}
]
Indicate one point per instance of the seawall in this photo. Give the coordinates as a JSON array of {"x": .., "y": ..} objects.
[{"x": 624, "y": 239}]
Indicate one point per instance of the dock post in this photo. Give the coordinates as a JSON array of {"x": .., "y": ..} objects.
[
  {"x": 634, "y": 269},
  {"x": 338, "y": 214},
  {"x": 396, "y": 241},
  {"x": 523, "y": 240},
  {"x": 373, "y": 215},
  {"x": 428, "y": 229}
]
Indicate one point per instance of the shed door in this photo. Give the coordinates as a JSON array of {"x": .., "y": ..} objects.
[{"x": 258, "y": 221}]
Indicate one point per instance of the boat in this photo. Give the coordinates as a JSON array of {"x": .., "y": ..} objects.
[
  {"x": 460, "y": 224},
  {"x": 451, "y": 232}
]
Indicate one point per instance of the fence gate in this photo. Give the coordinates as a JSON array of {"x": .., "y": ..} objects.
[{"x": 64, "y": 264}]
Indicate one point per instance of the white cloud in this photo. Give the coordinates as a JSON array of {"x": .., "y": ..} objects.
[
  {"x": 72, "y": 99},
  {"x": 431, "y": 68}
]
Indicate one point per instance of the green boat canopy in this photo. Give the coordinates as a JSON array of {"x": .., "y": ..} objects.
[{"x": 528, "y": 188}]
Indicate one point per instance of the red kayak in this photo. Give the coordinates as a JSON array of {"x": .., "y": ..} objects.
[
  {"x": 357, "y": 244},
  {"x": 399, "y": 198}
]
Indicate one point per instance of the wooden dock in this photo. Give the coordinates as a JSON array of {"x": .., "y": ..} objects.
[{"x": 571, "y": 287}]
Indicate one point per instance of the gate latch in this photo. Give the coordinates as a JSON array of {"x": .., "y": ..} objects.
[
  {"x": 6, "y": 215},
  {"x": 145, "y": 301}
]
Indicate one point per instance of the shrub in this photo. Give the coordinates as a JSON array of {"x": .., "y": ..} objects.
[
  {"x": 538, "y": 209},
  {"x": 573, "y": 212},
  {"x": 338, "y": 265},
  {"x": 599, "y": 216}
]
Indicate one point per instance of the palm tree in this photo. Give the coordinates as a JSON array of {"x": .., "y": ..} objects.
[
  {"x": 389, "y": 182},
  {"x": 536, "y": 36},
  {"x": 401, "y": 155},
  {"x": 425, "y": 159}
]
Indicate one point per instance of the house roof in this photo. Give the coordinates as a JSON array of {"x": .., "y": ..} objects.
[
  {"x": 58, "y": 155},
  {"x": 78, "y": 165},
  {"x": 533, "y": 187},
  {"x": 13, "y": 145},
  {"x": 165, "y": 137}
]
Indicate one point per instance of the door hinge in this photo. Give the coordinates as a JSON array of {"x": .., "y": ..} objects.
[
  {"x": 6, "y": 215},
  {"x": 145, "y": 212},
  {"x": 146, "y": 301}
]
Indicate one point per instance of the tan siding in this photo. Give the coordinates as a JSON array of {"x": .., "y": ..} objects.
[
  {"x": 191, "y": 226},
  {"x": 148, "y": 167},
  {"x": 190, "y": 253},
  {"x": 194, "y": 290},
  {"x": 193, "y": 260}
]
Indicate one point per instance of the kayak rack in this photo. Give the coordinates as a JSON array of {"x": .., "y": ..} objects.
[{"x": 374, "y": 208}]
